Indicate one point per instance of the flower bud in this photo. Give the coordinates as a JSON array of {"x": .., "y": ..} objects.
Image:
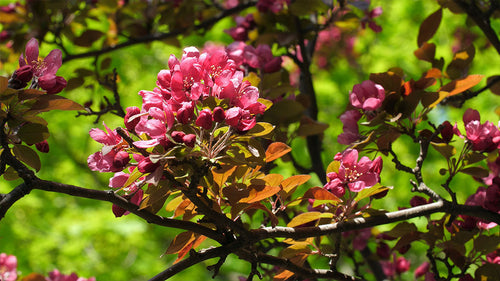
[
  {"x": 178, "y": 135},
  {"x": 130, "y": 120},
  {"x": 402, "y": 265},
  {"x": 42, "y": 146},
  {"x": 147, "y": 166},
  {"x": 185, "y": 113},
  {"x": 24, "y": 73},
  {"x": 422, "y": 269},
  {"x": 189, "y": 140},
  {"x": 219, "y": 115},
  {"x": 447, "y": 131},
  {"x": 204, "y": 119},
  {"x": 121, "y": 159}
]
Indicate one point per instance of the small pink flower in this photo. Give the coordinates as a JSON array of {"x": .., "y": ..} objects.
[
  {"x": 367, "y": 95},
  {"x": 55, "y": 275},
  {"x": 350, "y": 132},
  {"x": 240, "y": 119},
  {"x": 219, "y": 114},
  {"x": 147, "y": 166},
  {"x": 354, "y": 174},
  {"x": 483, "y": 137}
]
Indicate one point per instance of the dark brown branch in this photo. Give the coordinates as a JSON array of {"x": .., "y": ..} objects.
[
  {"x": 161, "y": 36},
  {"x": 482, "y": 20}
]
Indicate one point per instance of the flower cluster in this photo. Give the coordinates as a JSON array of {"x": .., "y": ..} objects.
[
  {"x": 353, "y": 174},
  {"x": 198, "y": 95},
  {"x": 366, "y": 97},
  {"x": 55, "y": 275}
]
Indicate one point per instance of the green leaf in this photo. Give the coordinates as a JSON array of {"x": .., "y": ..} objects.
[
  {"x": 10, "y": 174},
  {"x": 32, "y": 133},
  {"x": 260, "y": 129},
  {"x": 367, "y": 192},
  {"x": 27, "y": 156}
]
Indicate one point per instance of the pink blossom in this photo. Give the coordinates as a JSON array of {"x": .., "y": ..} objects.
[
  {"x": 240, "y": 119},
  {"x": 44, "y": 71},
  {"x": 102, "y": 162},
  {"x": 42, "y": 146},
  {"x": 367, "y": 95},
  {"x": 479, "y": 198},
  {"x": 131, "y": 118},
  {"x": 243, "y": 26},
  {"x": 8, "y": 267},
  {"x": 177, "y": 136},
  {"x": 109, "y": 138},
  {"x": 353, "y": 174},
  {"x": 483, "y": 137},
  {"x": 369, "y": 17},
  {"x": 383, "y": 250},
  {"x": 494, "y": 257},
  {"x": 147, "y": 166}
]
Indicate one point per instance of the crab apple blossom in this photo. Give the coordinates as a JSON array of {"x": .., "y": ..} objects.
[
  {"x": 350, "y": 128},
  {"x": 367, "y": 96},
  {"x": 56, "y": 275},
  {"x": 43, "y": 71},
  {"x": 353, "y": 174},
  {"x": 482, "y": 137}
]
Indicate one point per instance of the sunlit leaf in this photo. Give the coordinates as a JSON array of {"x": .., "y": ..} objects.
[
  {"x": 294, "y": 181},
  {"x": 426, "y": 52},
  {"x": 319, "y": 193},
  {"x": 367, "y": 192},
  {"x": 276, "y": 150},
  {"x": 431, "y": 99},
  {"x": 260, "y": 129},
  {"x": 307, "y": 218},
  {"x": 257, "y": 195},
  {"x": 296, "y": 248},
  {"x": 461, "y": 85},
  {"x": 179, "y": 242},
  {"x": 273, "y": 179}
]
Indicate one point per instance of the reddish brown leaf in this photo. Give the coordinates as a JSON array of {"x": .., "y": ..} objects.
[
  {"x": 294, "y": 181},
  {"x": 495, "y": 84},
  {"x": 461, "y": 85},
  {"x": 429, "y": 27},
  {"x": 426, "y": 52},
  {"x": 27, "y": 155},
  {"x": 88, "y": 37},
  {"x": 179, "y": 242},
  {"x": 257, "y": 195},
  {"x": 276, "y": 150},
  {"x": 273, "y": 179},
  {"x": 319, "y": 193},
  {"x": 308, "y": 217},
  {"x": 33, "y": 277},
  {"x": 52, "y": 102}
]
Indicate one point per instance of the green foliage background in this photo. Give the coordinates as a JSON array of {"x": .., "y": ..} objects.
[{"x": 47, "y": 231}]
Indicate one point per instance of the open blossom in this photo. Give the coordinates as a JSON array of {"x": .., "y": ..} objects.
[
  {"x": 350, "y": 127},
  {"x": 8, "y": 267},
  {"x": 483, "y": 137},
  {"x": 353, "y": 174},
  {"x": 367, "y": 95},
  {"x": 43, "y": 71}
]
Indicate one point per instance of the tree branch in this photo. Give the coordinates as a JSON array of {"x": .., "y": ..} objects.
[{"x": 161, "y": 36}]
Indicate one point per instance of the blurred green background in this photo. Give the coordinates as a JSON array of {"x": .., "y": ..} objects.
[{"x": 47, "y": 231}]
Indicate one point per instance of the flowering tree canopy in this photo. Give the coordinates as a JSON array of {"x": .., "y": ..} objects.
[{"x": 210, "y": 149}]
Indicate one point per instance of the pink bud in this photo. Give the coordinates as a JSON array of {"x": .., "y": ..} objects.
[
  {"x": 219, "y": 115},
  {"x": 42, "y": 146},
  {"x": 204, "y": 119},
  {"x": 130, "y": 120},
  {"x": 447, "y": 131},
  {"x": 121, "y": 159},
  {"x": 147, "y": 166},
  {"x": 185, "y": 114},
  {"x": 51, "y": 83},
  {"x": 189, "y": 140},
  {"x": 422, "y": 269},
  {"x": 177, "y": 136},
  {"x": 402, "y": 265},
  {"x": 24, "y": 73}
]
